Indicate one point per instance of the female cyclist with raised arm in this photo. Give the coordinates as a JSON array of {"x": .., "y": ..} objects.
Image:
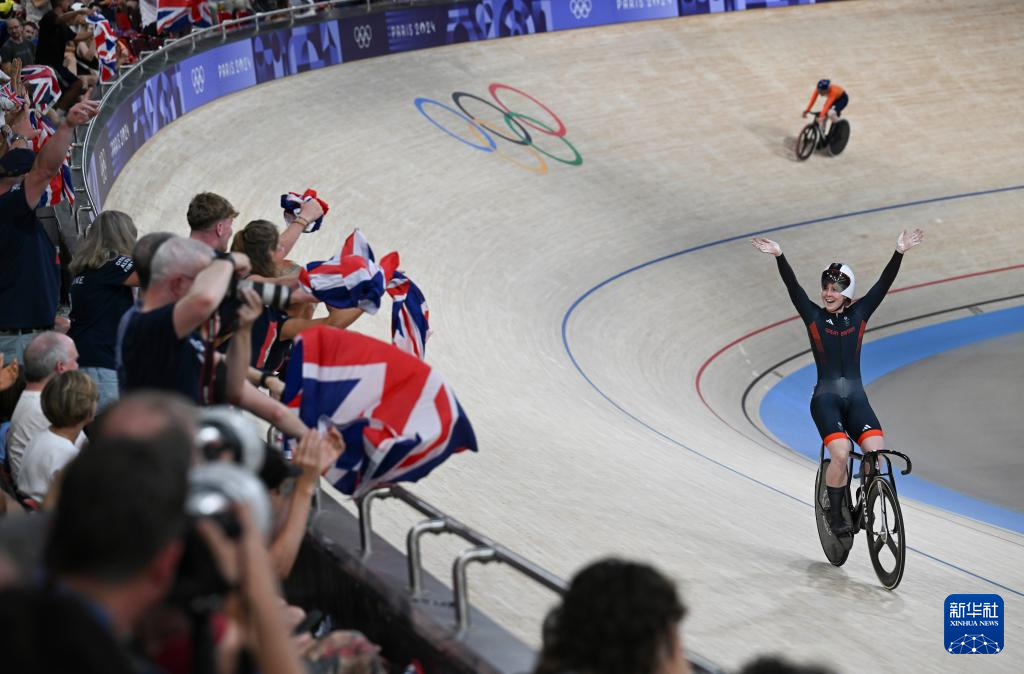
[{"x": 839, "y": 405}]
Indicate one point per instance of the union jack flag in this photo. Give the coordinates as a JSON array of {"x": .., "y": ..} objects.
[
  {"x": 60, "y": 187},
  {"x": 42, "y": 85},
  {"x": 352, "y": 278},
  {"x": 292, "y": 202},
  {"x": 399, "y": 418},
  {"x": 176, "y": 15},
  {"x": 106, "y": 46},
  {"x": 410, "y": 317},
  {"x": 9, "y": 98}
]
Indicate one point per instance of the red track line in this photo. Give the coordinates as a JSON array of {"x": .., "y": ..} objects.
[{"x": 716, "y": 354}]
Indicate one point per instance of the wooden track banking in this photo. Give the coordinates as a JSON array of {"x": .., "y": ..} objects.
[{"x": 686, "y": 129}]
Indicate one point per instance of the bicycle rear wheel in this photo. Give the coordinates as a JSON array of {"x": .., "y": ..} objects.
[
  {"x": 887, "y": 544},
  {"x": 836, "y": 548},
  {"x": 807, "y": 141},
  {"x": 838, "y": 137}
]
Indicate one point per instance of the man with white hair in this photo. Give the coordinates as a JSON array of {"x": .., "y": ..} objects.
[
  {"x": 46, "y": 356},
  {"x": 162, "y": 347}
]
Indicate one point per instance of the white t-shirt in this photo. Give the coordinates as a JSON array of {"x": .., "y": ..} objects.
[
  {"x": 27, "y": 422},
  {"x": 44, "y": 456}
]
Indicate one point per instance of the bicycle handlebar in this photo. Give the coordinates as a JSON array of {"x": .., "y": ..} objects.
[{"x": 906, "y": 459}]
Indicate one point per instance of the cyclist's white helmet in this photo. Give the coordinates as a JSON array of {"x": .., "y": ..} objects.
[{"x": 841, "y": 276}]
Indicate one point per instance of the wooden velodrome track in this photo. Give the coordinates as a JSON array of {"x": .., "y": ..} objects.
[{"x": 594, "y": 438}]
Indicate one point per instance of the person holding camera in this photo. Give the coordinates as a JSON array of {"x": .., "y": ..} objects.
[
  {"x": 113, "y": 557},
  {"x": 275, "y": 329},
  {"x": 162, "y": 346}
]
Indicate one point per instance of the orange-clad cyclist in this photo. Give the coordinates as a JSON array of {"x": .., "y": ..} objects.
[{"x": 835, "y": 100}]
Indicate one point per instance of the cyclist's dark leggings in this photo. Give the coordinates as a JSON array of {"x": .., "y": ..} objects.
[
  {"x": 841, "y": 407},
  {"x": 840, "y": 103}
]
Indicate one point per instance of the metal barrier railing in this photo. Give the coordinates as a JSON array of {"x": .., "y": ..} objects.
[{"x": 485, "y": 550}]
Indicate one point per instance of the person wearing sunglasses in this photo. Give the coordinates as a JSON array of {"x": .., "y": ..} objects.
[{"x": 839, "y": 405}]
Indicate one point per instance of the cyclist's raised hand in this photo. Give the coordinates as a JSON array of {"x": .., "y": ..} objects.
[
  {"x": 908, "y": 239},
  {"x": 767, "y": 246}
]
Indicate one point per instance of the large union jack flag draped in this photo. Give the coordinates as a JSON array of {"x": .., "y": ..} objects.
[
  {"x": 106, "y": 46},
  {"x": 399, "y": 418},
  {"x": 292, "y": 202},
  {"x": 177, "y": 15},
  {"x": 354, "y": 279},
  {"x": 60, "y": 187},
  {"x": 42, "y": 86}
]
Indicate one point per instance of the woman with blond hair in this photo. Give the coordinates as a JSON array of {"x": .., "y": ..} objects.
[{"x": 103, "y": 274}]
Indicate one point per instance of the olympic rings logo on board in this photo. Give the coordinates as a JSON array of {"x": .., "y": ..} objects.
[
  {"x": 580, "y": 8},
  {"x": 481, "y": 135},
  {"x": 363, "y": 36},
  {"x": 198, "y": 79}
]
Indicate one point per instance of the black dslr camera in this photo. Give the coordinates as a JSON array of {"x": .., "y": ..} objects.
[{"x": 231, "y": 453}]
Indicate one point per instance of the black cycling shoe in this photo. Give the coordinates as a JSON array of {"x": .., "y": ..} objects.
[
  {"x": 837, "y": 523},
  {"x": 840, "y": 528}
]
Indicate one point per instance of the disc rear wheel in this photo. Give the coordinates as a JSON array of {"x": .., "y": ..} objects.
[
  {"x": 887, "y": 544},
  {"x": 838, "y": 137},
  {"x": 836, "y": 548}
]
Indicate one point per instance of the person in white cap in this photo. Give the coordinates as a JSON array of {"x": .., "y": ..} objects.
[{"x": 839, "y": 405}]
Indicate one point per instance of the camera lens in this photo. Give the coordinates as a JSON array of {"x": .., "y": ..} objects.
[{"x": 271, "y": 294}]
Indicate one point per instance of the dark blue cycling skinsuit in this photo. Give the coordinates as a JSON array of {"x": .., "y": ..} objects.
[{"x": 839, "y": 405}]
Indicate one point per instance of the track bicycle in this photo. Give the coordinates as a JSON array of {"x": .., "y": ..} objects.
[
  {"x": 811, "y": 137},
  {"x": 877, "y": 512}
]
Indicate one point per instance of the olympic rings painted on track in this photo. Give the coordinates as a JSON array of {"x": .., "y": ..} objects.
[
  {"x": 517, "y": 122},
  {"x": 560, "y": 131},
  {"x": 484, "y": 136},
  {"x": 575, "y": 161},
  {"x": 523, "y": 139}
]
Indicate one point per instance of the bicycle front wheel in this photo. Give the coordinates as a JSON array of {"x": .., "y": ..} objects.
[
  {"x": 887, "y": 544},
  {"x": 807, "y": 141}
]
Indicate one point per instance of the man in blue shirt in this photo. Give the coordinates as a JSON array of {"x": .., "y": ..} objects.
[{"x": 29, "y": 268}]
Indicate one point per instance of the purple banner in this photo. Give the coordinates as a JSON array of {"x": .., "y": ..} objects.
[
  {"x": 215, "y": 73},
  {"x": 124, "y": 134},
  {"x": 363, "y": 37},
  {"x": 161, "y": 101},
  {"x": 569, "y": 14},
  {"x": 417, "y": 28},
  {"x": 490, "y": 19},
  {"x": 691, "y": 7},
  {"x": 290, "y": 51},
  {"x": 101, "y": 173}
]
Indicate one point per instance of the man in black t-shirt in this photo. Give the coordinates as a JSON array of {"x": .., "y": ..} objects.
[
  {"x": 54, "y": 35},
  {"x": 162, "y": 347},
  {"x": 28, "y": 260}
]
